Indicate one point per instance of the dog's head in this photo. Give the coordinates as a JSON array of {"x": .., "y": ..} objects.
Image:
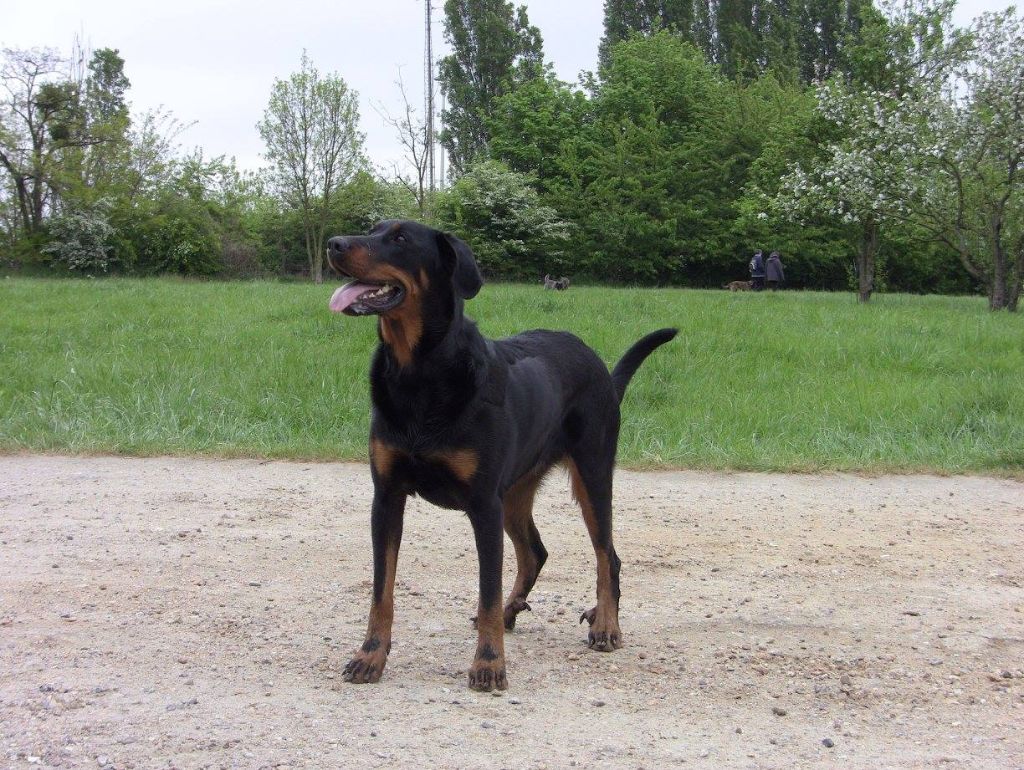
[
  {"x": 412, "y": 276},
  {"x": 399, "y": 263}
]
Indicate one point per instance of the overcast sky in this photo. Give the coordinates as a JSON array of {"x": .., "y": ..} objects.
[{"x": 213, "y": 61}]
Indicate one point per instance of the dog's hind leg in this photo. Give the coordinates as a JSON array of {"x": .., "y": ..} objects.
[
  {"x": 591, "y": 477},
  {"x": 530, "y": 552}
]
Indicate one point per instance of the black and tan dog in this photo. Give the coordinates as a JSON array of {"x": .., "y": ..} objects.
[{"x": 474, "y": 424}]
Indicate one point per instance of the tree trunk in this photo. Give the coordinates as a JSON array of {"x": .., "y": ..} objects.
[
  {"x": 866, "y": 261},
  {"x": 997, "y": 292},
  {"x": 1016, "y": 278},
  {"x": 997, "y": 296},
  {"x": 23, "y": 203},
  {"x": 316, "y": 262}
]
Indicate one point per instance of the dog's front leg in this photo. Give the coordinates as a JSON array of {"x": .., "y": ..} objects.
[
  {"x": 488, "y": 669},
  {"x": 386, "y": 530}
]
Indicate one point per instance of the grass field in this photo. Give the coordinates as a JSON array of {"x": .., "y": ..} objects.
[{"x": 793, "y": 381}]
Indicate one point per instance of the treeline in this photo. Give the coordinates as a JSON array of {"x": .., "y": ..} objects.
[{"x": 711, "y": 128}]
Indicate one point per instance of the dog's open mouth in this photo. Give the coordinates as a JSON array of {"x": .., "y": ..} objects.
[{"x": 358, "y": 298}]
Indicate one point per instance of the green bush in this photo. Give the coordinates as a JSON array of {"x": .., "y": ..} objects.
[
  {"x": 177, "y": 238},
  {"x": 82, "y": 239},
  {"x": 499, "y": 213}
]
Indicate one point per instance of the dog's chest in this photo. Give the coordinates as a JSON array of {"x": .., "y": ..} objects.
[{"x": 440, "y": 476}]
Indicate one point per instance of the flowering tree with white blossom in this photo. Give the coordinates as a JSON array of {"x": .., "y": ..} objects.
[
  {"x": 940, "y": 148},
  {"x": 976, "y": 147}
]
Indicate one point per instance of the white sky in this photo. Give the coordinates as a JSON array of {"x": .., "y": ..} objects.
[{"x": 213, "y": 61}]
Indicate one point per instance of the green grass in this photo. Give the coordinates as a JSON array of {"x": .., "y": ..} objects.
[{"x": 793, "y": 381}]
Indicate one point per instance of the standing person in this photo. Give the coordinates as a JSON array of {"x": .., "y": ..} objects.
[
  {"x": 773, "y": 271},
  {"x": 757, "y": 271}
]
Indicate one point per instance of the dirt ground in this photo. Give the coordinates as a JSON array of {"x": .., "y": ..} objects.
[{"x": 192, "y": 613}]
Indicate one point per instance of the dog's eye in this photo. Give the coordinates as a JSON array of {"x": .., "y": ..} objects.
[{"x": 400, "y": 238}]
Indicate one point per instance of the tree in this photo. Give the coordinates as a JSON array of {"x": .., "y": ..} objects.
[
  {"x": 412, "y": 135},
  {"x": 802, "y": 39},
  {"x": 940, "y": 150},
  {"x": 874, "y": 170},
  {"x": 623, "y": 18},
  {"x": 310, "y": 131},
  {"x": 652, "y": 173},
  {"x": 975, "y": 146},
  {"x": 104, "y": 115},
  {"x": 83, "y": 239},
  {"x": 494, "y": 48},
  {"x": 531, "y": 125},
  {"x": 36, "y": 119},
  {"x": 59, "y": 130},
  {"x": 815, "y": 247}
]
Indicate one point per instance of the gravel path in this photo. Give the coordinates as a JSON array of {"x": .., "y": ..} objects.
[{"x": 194, "y": 613}]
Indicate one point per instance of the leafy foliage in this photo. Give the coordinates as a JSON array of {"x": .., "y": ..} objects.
[
  {"x": 803, "y": 39},
  {"x": 934, "y": 146},
  {"x": 83, "y": 240},
  {"x": 501, "y": 216},
  {"x": 494, "y": 48},
  {"x": 874, "y": 146},
  {"x": 314, "y": 146}
]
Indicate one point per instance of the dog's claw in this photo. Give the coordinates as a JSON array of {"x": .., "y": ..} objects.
[
  {"x": 485, "y": 678},
  {"x": 364, "y": 668},
  {"x": 603, "y": 641},
  {"x": 604, "y": 638},
  {"x": 513, "y": 608}
]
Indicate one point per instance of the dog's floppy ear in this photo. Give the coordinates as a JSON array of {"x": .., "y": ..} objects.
[{"x": 460, "y": 264}]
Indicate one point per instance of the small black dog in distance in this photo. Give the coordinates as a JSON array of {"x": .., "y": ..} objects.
[{"x": 474, "y": 424}]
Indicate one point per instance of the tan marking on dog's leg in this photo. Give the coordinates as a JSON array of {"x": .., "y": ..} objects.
[
  {"x": 518, "y": 522},
  {"x": 382, "y": 457},
  {"x": 605, "y": 633},
  {"x": 367, "y": 665},
  {"x": 488, "y": 669}
]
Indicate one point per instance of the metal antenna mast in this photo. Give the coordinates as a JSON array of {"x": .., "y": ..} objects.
[
  {"x": 442, "y": 146},
  {"x": 428, "y": 92}
]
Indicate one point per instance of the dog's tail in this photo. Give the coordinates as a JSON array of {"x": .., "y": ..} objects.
[{"x": 630, "y": 362}]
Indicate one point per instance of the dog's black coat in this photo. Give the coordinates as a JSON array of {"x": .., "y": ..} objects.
[{"x": 474, "y": 424}]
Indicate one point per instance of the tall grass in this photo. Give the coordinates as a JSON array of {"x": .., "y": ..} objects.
[{"x": 788, "y": 381}]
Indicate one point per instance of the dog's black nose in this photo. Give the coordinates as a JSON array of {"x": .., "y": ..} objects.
[{"x": 337, "y": 245}]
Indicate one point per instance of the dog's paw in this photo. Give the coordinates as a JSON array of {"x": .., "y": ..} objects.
[
  {"x": 603, "y": 636},
  {"x": 487, "y": 675},
  {"x": 513, "y": 608},
  {"x": 367, "y": 664}
]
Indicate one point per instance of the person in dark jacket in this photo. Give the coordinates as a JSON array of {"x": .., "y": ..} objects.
[
  {"x": 757, "y": 271},
  {"x": 773, "y": 271}
]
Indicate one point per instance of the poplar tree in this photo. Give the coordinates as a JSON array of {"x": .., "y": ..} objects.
[{"x": 494, "y": 49}]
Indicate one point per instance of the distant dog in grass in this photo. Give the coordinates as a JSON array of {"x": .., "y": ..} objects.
[
  {"x": 558, "y": 284},
  {"x": 737, "y": 286}
]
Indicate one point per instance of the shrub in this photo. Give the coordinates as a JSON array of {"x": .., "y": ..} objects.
[
  {"x": 500, "y": 214},
  {"x": 82, "y": 239}
]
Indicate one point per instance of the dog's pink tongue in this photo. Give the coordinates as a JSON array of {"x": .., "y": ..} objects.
[{"x": 345, "y": 295}]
